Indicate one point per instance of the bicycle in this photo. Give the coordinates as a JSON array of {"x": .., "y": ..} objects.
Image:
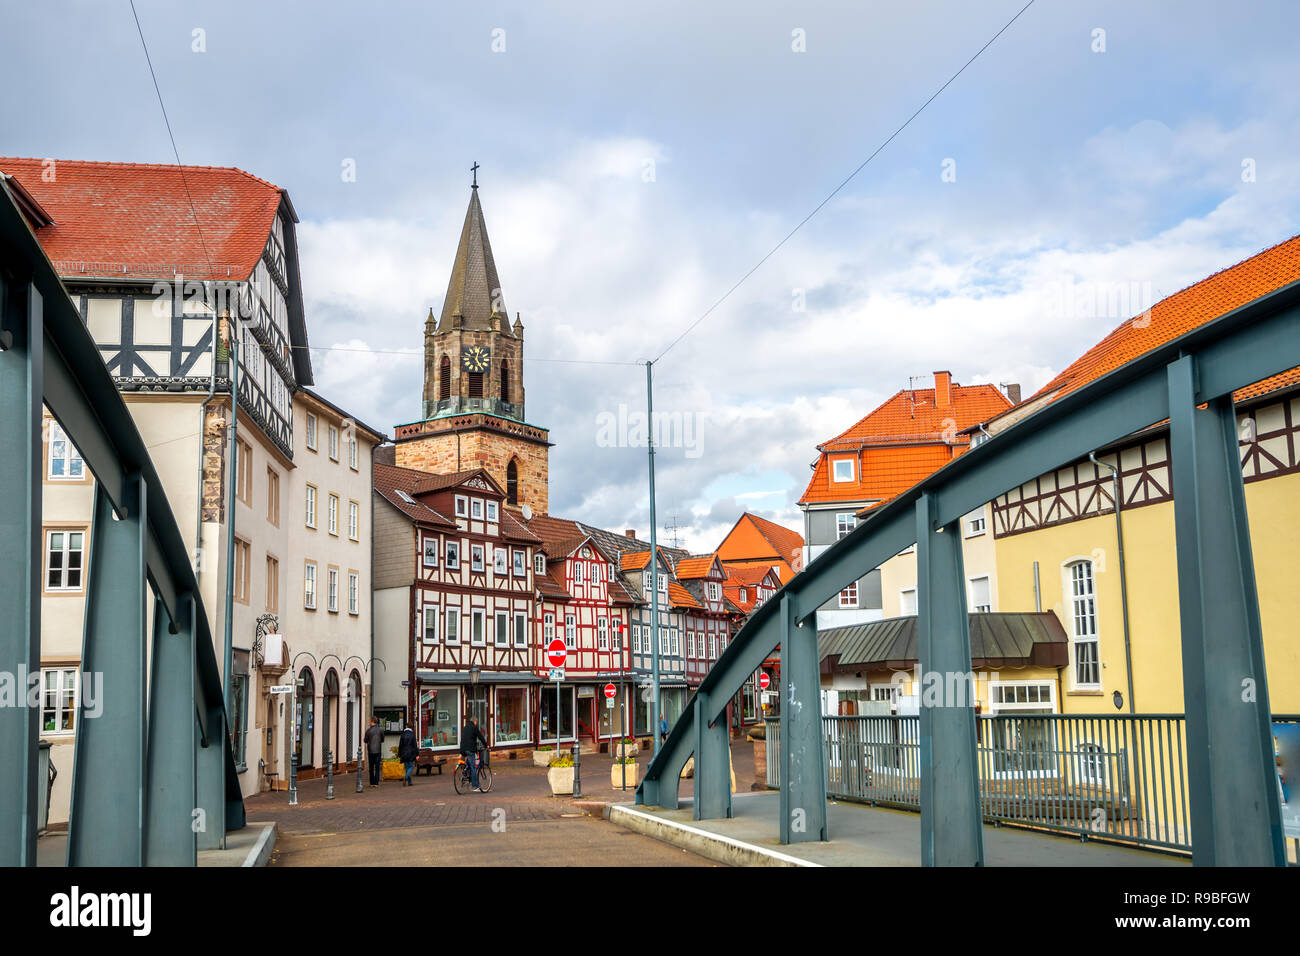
[{"x": 461, "y": 780}]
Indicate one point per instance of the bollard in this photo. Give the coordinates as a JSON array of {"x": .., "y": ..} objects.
[
  {"x": 329, "y": 775},
  {"x": 293, "y": 780},
  {"x": 577, "y": 770},
  {"x": 358, "y": 768}
]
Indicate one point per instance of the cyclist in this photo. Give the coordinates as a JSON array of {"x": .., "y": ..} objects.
[{"x": 471, "y": 738}]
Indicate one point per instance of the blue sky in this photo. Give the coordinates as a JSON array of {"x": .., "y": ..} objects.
[{"x": 1075, "y": 169}]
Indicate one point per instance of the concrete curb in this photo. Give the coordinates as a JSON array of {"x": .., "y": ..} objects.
[
  {"x": 260, "y": 854},
  {"x": 714, "y": 846}
]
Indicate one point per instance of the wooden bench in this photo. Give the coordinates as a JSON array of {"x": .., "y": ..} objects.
[{"x": 428, "y": 761}]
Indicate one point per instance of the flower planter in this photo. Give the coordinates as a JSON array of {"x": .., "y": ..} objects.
[
  {"x": 393, "y": 770},
  {"x": 542, "y": 758},
  {"x": 626, "y": 750},
  {"x": 616, "y": 774},
  {"x": 561, "y": 780}
]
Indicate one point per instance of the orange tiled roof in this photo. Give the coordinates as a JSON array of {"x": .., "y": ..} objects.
[
  {"x": 135, "y": 219},
  {"x": 788, "y": 543},
  {"x": 634, "y": 560},
  {"x": 678, "y": 596},
  {"x": 695, "y": 567},
  {"x": 903, "y": 441},
  {"x": 1183, "y": 311},
  {"x": 745, "y": 574}
]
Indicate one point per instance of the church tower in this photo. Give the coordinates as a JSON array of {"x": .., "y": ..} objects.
[{"x": 474, "y": 381}]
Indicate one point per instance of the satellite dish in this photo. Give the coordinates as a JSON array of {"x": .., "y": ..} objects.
[{"x": 527, "y": 512}]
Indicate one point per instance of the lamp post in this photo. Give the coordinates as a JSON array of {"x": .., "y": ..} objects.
[{"x": 621, "y": 752}]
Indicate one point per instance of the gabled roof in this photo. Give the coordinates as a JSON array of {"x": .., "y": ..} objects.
[
  {"x": 453, "y": 479},
  {"x": 904, "y": 440},
  {"x": 474, "y": 288},
  {"x": 390, "y": 481},
  {"x": 134, "y": 220},
  {"x": 748, "y": 575},
  {"x": 678, "y": 596},
  {"x": 700, "y": 566},
  {"x": 560, "y": 537},
  {"x": 1183, "y": 311},
  {"x": 785, "y": 542}
]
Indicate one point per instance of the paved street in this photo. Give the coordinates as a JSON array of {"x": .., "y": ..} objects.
[{"x": 518, "y": 824}]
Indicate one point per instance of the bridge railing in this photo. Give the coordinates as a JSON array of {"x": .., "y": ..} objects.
[
  {"x": 153, "y": 776},
  {"x": 1234, "y": 811}
]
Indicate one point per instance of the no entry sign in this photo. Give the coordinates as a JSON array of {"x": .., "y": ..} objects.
[
  {"x": 764, "y": 682},
  {"x": 556, "y": 652},
  {"x": 611, "y": 691}
]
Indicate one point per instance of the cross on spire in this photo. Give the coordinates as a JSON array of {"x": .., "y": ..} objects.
[{"x": 474, "y": 170}]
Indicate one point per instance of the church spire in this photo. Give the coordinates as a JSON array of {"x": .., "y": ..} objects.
[{"x": 474, "y": 292}]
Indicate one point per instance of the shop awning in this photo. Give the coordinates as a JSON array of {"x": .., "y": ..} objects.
[
  {"x": 484, "y": 677},
  {"x": 997, "y": 640}
]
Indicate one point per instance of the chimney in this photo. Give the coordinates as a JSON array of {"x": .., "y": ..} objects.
[
  {"x": 631, "y": 533},
  {"x": 942, "y": 389},
  {"x": 1013, "y": 393}
]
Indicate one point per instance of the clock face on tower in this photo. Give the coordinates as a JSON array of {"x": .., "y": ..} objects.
[{"x": 475, "y": 358}]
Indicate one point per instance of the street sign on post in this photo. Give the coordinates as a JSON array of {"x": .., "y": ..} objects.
[
  {"x": 556, "y": 674},
  {"x": 281, "y": 689},
  {"x": 556, "y": 653},
  {"x": 611, "y": 691},
  {"x": 764, "y": 682}
]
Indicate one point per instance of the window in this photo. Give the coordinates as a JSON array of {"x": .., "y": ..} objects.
[
  {"x": 309, "y": 586},
  {"x": 430, "y": 552},
  {"x": 492, "y": 511},
  {"x": 548, "y": 628},
  {"x": 453, "y": 555},
  {"x": 595, "y": 574},
  {"x": 311, "y": 506},
  {"x": 244, "y": 471},
  {"x": 59, "y": 700},
  {"x": 570, "y": 632},
  {"x": 981, "y": 601},
  {"x": 272, "y": 584},
  {"x": 849, "y": 596},
  {"x": 844, "y": 523},
  {"x": 690, "y": 643},
  {"x": 842, "y": 469},
  {"x": 462, "y": 506},
  {"x": 334, "y": 443},
  {"x": 663, "y": 641},
  {"x": 521, "y": 629},
  {"x": 578, "y": 571},
  {"x": 602, "y": 634},
  {"x": 520, "y": 563},
  {"x": 636, "y": 638},
  {"x": 332, "y": 594},
  {"x": 354, "y": 592},
  {"x": 311, "y": 432},
  {"x": 715, "y": 591},
  {"x": 354, "y": 520},
  {"x": 663, "y": 584},
  {"x": 512, "y": 483},
  {"x": 645, "y": 580},
  {"x": 65, "y": 460},
  {"x": 334, "y": 515},
  {"x": 907, "y": 601},
  {"x": 502, "y": 629},
  {"x": 1083, "y": 619},
  {"x": 430, "y": 624},
  {"x": 539, "y": 564},
  {"x": 453, "y": 625},
  {"x": 975, "y": 523},
  {"x": 1036, "y": 696},
  {"x": 713, "y": 647},
  {"x": 478, "y": 619},
  {"x": 476, "y": 557},
  {"x": 511, "y": 715},
  {"x": 352, "y": 454},
  {"x": 273, "y": 496},
  {"x": 63, "y": 560},
  {"x": 499, "y": 559},
  {"x": 618, "y": 634},
  {"x": 444, "y": 379},
  {"x": 743, "y": 597},
  {"x": 242, "y": 554},
  {"x": 476, "y": 508}
]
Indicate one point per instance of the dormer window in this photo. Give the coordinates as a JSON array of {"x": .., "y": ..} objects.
[
  {"x": 539, "y": 564},
  {"x": 492, "y": 511},
  {"x": 462, "y": 506},
  {"x": 476, "y": 508},
  {"x": 842, "y": 469}
]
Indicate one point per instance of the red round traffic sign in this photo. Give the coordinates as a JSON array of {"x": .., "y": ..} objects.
[
  {"x": 764, "y": 681},
  {"x": 611, "y": 691},
  {"x": 556, "y": 652}
]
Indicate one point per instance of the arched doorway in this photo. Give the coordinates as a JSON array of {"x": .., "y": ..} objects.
[
  {"x": 354, "y": 716},
  {"x": 304, "y": 744},
  {"x": 329, "y": 738}
]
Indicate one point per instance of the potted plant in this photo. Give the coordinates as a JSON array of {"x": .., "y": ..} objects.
[
  {"x": 619, "y": 767},
  {"x": 627, "y": 747},
  {"x": 392, "y": 769},
  {"x": 560, "y": 774},
  {"x": 542, "y": 756}
]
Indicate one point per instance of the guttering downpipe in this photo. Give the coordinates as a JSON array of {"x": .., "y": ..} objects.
[
  {"x": 203, "y": 423},
  {"x": 1123, "y": 575}
]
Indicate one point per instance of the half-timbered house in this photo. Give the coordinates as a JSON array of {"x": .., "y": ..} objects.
[{"x": 707, "y": 623}]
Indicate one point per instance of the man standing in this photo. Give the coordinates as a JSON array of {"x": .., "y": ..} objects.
[
  {"x": 470, "y": 739},
  {"x": 406, "y": 751},
  {"x": 374, "y": 746}
]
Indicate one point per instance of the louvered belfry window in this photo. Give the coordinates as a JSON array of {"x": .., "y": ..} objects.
[
  {"x": 475, "y": 384},
  {"x": 505, "y": 381},
  {"x": 444, "y": 379}
]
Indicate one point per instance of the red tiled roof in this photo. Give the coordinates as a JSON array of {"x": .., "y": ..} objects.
[
  {"x": 634, "y": 561},
  {"x": 696, "y": 567},
  {"x": 1183, "y": 311},
  {"x": 746, "y": 574},
  {"x": 135, "y": 219},
  {"x": 906, "y": 439},
  {"x": 559, "y": 536},
  {"x": 390, "y": 479},
  {"x": 433, "y": 482}
]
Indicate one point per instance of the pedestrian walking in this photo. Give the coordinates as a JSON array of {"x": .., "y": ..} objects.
[
  {"x": 470, "y": 740},
  {"x": 406, "y": 751},
  {"x": 663, "y": 728},
  {"x": 374, "y": 746}
]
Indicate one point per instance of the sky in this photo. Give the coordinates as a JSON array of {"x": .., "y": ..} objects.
[{"x": 636, "y": 162}]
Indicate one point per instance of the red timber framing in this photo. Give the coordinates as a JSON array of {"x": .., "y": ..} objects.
[
  {"x": 708, "y": 623},
  {"x": 584, "y": 603}
]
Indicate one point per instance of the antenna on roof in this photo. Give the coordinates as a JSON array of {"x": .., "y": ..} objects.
[{"x": 672, "y": 529}]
